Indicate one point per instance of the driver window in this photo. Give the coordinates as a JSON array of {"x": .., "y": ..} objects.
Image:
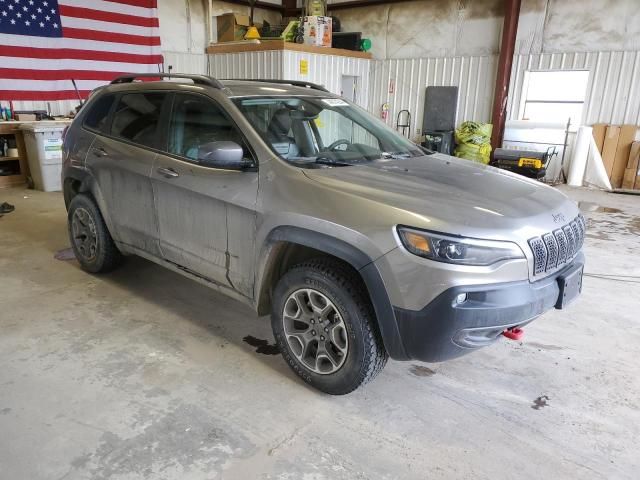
[{"x": 195, "y": 121}]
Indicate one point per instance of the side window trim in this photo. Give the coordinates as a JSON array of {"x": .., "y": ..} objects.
[{"x": 224, "y": 113}]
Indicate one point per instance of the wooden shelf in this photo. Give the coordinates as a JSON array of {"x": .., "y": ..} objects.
[
  {"x": 12, "y": 128},
  {"x": 12, "y": 180},
  {"x": 251, "y": 46}
]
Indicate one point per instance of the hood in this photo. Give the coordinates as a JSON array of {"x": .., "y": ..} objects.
[{"x": 438, "y": 191}]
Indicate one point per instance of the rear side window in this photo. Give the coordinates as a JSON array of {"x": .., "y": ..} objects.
[
  {"x": 96, "y": 118},
  {"x": 137, "y": 117}
]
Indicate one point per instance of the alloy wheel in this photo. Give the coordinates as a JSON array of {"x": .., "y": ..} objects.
[{"x": 315, "y": 331}]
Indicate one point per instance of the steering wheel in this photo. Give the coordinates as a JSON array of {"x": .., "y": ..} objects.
[{"x": 342, "y": 141}]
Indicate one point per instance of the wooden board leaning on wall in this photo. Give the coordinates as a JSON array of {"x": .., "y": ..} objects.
[{"x": 619, "y": 152}]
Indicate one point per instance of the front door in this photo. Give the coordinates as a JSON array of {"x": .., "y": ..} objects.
[
  {"x": 206, "y": 216},
  {"x": 121, "y": 160}
]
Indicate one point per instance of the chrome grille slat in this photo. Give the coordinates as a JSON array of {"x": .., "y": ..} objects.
[
  {"x": 571, "y": 243},
  {"x": 556, "y": 248},
  {"x": 539, "y": 255},
  {"x": 562, "y": 246},
  {"x": 576, "y": 234},
  {"x": 552, "y": 250}
]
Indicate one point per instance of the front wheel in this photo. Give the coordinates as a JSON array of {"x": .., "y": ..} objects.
[{"x": 324, "y": 325}]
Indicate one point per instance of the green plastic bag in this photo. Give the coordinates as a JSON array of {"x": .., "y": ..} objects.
[{"x": 474, "y": 141}]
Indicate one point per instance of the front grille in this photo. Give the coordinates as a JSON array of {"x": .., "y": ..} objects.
[{"x": 556, "y": 248}]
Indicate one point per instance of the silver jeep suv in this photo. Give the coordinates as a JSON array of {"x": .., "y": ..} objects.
[{"x": 360, "y": 244}]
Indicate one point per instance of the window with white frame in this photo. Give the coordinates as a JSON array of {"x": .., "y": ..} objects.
[{"x": 554, "y": 96}]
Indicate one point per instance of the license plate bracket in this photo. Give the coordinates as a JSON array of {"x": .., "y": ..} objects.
[{"x": 570, "y": 286}]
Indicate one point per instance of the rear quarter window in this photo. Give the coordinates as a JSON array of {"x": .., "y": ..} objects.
[
  {"x": 96, "y": 117},
  {"x": 136, "y": 118}
]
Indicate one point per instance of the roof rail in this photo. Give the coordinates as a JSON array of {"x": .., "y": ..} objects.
[
  {"x": 197, "y": 79},
  {"x": 295, "y": 83}
]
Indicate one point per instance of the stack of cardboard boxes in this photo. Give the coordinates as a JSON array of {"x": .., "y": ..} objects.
[
  {"x": 620, "y": 154},
  {"x": 230, "y": 27}
]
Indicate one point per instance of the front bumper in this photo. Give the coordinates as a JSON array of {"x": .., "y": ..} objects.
[{"x": 446, "y": 329}]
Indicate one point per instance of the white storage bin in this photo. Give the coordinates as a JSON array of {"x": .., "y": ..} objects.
[{"x": 44, "y": 152}]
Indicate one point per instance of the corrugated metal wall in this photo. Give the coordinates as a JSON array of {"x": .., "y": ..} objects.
[
  {"x": 474, "y": 76},
  {"x": 267, "y": 64},
  {"x": 325, "y": 70},
  {"x": 185, "y": 62},
  {"x": 613, "y": 93}
]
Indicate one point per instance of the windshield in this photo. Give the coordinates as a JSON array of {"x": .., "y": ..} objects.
[{"x": 312, "y": 131}]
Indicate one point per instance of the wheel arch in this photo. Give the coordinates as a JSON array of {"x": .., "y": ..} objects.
[
  {"x": 286, "y": 246},
  {"x": 79, "y": 180}
]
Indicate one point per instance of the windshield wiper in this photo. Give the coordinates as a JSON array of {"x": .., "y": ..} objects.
[{"x": 331, "y": 161}]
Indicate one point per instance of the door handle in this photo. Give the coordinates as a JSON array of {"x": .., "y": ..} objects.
[
  {"x": 168, "y": 172},
  {"x": 100, "y": 152}
]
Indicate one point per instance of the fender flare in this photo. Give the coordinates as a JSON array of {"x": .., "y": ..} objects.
[
  {"x": 88, "y": 184},
  {"x": 364, "y": 265}
]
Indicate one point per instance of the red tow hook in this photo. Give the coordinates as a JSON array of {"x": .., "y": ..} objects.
[{"x": 514, "y": 333}]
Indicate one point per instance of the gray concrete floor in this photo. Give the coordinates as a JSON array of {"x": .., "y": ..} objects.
[{"x": 144, "y": 374}]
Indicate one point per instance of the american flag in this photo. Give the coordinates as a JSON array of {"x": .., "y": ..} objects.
[{"x": 46, "y": 43}]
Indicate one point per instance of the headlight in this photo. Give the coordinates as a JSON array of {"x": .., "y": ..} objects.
[{"x": 457, "y": 250}]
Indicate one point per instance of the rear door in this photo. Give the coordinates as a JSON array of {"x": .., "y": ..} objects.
[
  {"x": 206, "y": 216},
  {"x": 121, "y": 162}
]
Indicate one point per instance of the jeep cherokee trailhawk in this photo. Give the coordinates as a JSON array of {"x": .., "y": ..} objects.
[{"x": 361, "y": 244}]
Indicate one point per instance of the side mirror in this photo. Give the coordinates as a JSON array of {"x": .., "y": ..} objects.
[{"x": 223, "y": 154}]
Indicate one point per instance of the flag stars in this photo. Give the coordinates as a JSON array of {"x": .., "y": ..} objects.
[
  {"x": 27, "y": 23},
  {"x": 10, "y": 7},
  {"x": 47, "y": 18},
  {"x": 41, "y": 25},
  {"x": 18, "y": 15},
  {"x": 55, "y": 25}
]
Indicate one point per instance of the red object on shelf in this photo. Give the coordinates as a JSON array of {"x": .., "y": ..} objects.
[{"x": 513, "y": 333}]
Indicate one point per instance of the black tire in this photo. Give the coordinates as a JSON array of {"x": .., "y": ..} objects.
[
  {"x": 365, "y": 356},
  {"x": 104, "y": 256}
]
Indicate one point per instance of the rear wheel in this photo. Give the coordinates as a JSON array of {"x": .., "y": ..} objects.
[
  {"x": 324, "y": 325},
  {"x": 90, "y": 239}
]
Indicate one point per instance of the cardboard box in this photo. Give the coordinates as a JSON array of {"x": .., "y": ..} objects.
[
  {"x": 26, "y": 117},
  {"x": 609, "y": 147},
  {"x": 231, "y": 27},
  {"x": 317, "y": 31},
  {"x": 626, "y": 138},
  {"x": 631, "y": 172},
  {"x": 599, "y": 130}
]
